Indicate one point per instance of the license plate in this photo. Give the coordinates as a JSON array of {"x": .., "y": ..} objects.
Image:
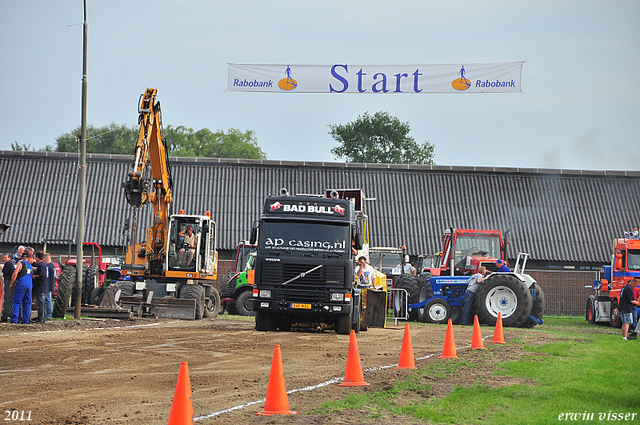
[{"x": 305, "y": 306}]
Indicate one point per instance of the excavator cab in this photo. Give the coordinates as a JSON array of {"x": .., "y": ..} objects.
[{"x": 192, "y": 244}]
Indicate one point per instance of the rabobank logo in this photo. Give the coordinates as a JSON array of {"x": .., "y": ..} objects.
[
  {"x": 461, "y": 83},
  {"x": 287, "y": 83}
]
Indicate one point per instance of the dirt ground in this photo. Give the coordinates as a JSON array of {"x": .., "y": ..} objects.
[{"x": 110, "y": 371}]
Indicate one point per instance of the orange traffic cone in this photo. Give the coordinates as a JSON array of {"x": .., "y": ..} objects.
[
  {"x": 353, "y": 376},
  {"x": 277, "y": 402},
  {"x": 407, "y": 360},
  {"x": 498, "y": 336},
  {"x": 182, "y": 407},
  {"x": 449, "y": 350},
  {"x": 476, "y": 339}
]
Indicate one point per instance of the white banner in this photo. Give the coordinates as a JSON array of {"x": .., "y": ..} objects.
[{"x": 373, "y": 79}]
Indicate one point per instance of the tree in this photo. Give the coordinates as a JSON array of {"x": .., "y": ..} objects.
[
  {"x": 380, "y": 138},
  {"x": 181, "y": 141},
  {"x": 112, "y": 138}
]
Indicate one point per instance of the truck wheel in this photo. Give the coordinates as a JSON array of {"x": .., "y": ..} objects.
[
  {"x": 537, "y": 310},
  {"x": 424, "y": 293},
  {"x": 244, "y": 303},
  {"x": 589, "y": 312},
  {"x": 614, "y": 319},
  {"x": 194, "y": 292},
  {"x": 438, "y": 310},
  {"x": 343, "y": 324},
  {"x": 456, "y": 315},
  {"x": 507, "y": 295},
  {"x": 263, "y": 321},
  {"x": 213, "y": 305},
  {"x": 65, "y": 288}
]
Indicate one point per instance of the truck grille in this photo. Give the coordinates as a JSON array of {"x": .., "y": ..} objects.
[
  {"x": 277, "y": 273},
  {"x": 304, "y": 295}
]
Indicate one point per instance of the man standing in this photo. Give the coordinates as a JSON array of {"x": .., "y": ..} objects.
[
  {"x": 365, "y": 273},
  {"x": 51, "y": 284},
  {"x": 40, "y": 286},
  {"x": 22, "y": 284},
  {"x": 7, "y": 272},
  {"x": 470, "y": 293},
  {"x": 626, "y": 304}
]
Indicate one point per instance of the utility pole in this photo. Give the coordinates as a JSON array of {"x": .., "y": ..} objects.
[{"x": 82, "y": 176}]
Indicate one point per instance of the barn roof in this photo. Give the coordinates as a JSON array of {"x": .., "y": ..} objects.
[{"x": 555, "y": 215}]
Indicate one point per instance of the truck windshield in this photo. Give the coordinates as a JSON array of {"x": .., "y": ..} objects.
[
  {"x": 304, "y": 237},
  {"x": 482, "y": 244},
  {"x": 634, "y": 259}
]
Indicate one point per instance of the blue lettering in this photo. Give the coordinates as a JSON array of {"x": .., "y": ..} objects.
[
  {"x": 383, "y": 83},
  {"x": 398, "y": 77},
  {"x": 360, "y": 74},
  {"x": 415, "y": 81},
  {"x": 345, "y": 83}
]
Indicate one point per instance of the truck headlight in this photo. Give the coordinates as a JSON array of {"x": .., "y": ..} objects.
[
  {"x": 265, "y": 293},
  {"x": 337, "y": 296}
]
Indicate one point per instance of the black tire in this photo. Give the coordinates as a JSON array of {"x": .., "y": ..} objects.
[
  {"x": 503, "y": 294},
  {"x": 231, "y": 308},
  {"x": 74, "y": 292},
  {"x": 194, "y": 292},
  {"x": 65, "y": 288},
  {"x": 424, "y": 293},
  {"x": 226, "y": 286},
  {"x": 438, "y": 310},
  {"x": 537, "y": 310},
  {"x": 409, "y": 283},
  {"x": 244, "y": 303},
  {"x": 343, "y": 324},
  {"x": 263, "y": 321},
  {"x": 456, "y": 315},
  {"x": 589, "y": 312},
  {"x": 614, "y": 317},
  {"x": 96, "y": 296},
  {"x": 213, "y": 305},
  {"x": 126, "y": 288},
  {"x": 89, "y": 283}
]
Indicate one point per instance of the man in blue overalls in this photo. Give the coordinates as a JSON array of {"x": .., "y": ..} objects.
[{"x": 22, "y": 283}]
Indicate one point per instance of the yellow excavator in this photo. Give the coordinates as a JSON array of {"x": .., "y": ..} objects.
[{"x": 178, "y": 259}]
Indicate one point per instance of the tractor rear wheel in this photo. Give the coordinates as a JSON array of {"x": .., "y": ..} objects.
[
  {"x": 425, "y": 292},
  {"x": 65, "y": 288},
  {"x": 89, "y": 283},
  {"x": 244, "y": 303},
  {"x": 456, "y": 315},
  {"x": 409, "y": 283},
  {"x": 507, "y": 295}
]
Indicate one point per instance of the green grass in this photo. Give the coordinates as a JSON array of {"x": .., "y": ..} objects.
[{"x": 591, "y": 370}]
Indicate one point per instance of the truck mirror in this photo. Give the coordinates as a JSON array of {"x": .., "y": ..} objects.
[
  {"x": 254, "y": 235},
  {"x": 357, "y": 241}
]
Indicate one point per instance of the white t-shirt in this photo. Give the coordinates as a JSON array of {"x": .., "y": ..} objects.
[{"x": 367, "y": 276}]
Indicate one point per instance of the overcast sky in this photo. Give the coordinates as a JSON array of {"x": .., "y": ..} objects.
[{"x": 580, "y": 106}]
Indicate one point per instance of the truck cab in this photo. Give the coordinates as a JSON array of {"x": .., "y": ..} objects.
[{"x": 304, "y": 265}]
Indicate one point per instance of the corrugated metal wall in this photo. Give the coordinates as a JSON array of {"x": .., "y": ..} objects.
[{"x": 555, "y": 215}]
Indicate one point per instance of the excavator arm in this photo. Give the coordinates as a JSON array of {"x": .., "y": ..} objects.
[{"x": 150, "y": 180}]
